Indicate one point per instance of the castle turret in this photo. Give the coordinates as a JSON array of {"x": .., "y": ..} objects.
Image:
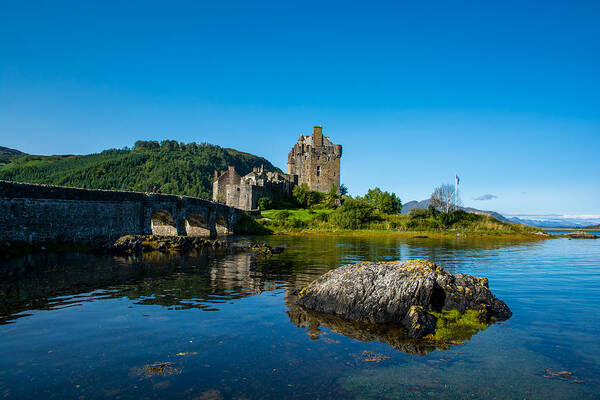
[{"x": 317, "y": 136}]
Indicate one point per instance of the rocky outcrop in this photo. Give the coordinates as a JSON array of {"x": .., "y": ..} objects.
[
  {"x": 580, "y": 235},
  {"x": 135, "y": 244},
  {"x": 406, "y": 293}
]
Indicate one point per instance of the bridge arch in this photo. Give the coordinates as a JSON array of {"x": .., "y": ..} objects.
[
  {"x": 197, "y": 225},
  {"x": 221, "y": 224},
  {"x": 163, "y": 224}
]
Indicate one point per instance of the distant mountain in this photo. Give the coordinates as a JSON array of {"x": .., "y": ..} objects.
[
  {"x": 176, "y": 168},
  {"x": 554, "y": 221},
  {"x": 415, "y": 204},
  {"x": 425, "y": 204},
  {"x": 6, "y": 154},
  {"x": 593, "y": 227}
]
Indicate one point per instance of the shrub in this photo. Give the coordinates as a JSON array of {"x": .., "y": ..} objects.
[
  {"x": 353, "y": 214},
  {"x": 281, "y": 216},
  {"x": 321, "y": 217},
  {"x": 418, "y": 213},
  {"x": 306, "y": 198},
  {"x": 265, "y": 203},
  {"x": 247, "y": 225}
]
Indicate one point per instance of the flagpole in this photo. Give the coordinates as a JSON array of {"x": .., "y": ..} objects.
[{"x": 456, "y": 191}]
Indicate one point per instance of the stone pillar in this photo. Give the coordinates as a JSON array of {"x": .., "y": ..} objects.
[
  {"x": 179, "y": 219},
  {"x": 147, "y": 220},
  {"x": 212, "y": 221}
]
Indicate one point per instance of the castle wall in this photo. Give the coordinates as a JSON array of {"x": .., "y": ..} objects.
[
  {"x": 316, "y": 161},
  {"x": 229, "y": 177},
  {"x": 246, "y": 196}
]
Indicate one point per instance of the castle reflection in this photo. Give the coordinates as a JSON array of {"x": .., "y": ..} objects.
[{"x": 205, "y": 279}]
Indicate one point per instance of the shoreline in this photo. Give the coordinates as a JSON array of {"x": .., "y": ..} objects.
[
  {"x": 139, "y": 243},
  {"x": 417, "y": 234}
]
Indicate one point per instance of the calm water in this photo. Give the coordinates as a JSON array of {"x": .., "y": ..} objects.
[{"x": 84, "y": 326}]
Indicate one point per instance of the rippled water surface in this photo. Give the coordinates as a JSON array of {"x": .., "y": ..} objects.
[{"x": 223, "y": 326}]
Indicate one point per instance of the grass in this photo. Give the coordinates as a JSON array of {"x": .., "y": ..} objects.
[
  {"x": 302, "y": 214},
  {"x": 305, "y": 221}
]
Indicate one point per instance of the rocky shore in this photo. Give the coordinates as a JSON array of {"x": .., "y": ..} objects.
[
  {"x": 419, "y": 296},
  {"x": 138, "y": 244},
  {"x": 135, "y": 244}
]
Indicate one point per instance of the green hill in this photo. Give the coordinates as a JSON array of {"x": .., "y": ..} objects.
[
  {"x": 176, "y": 168},
  {"x": 6, "y": 154}
]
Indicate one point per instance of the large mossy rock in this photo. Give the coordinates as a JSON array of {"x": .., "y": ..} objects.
[{"x": 413, "y": 294}]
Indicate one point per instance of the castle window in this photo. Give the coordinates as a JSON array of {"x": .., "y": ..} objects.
[{"x": 318, "y": 170}]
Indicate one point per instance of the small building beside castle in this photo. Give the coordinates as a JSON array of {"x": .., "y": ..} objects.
[{"x": 313, "y": 160}]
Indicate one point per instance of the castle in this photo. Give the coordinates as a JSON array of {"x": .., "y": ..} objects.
[{"x": 313, "y": 160}]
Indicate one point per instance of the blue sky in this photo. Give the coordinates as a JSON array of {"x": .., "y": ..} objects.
[{"x": 507, "y": 95}]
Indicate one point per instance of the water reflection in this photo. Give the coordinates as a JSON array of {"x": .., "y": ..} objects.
[
  {"x": 198, "y": 279},
  {"x": 204, "y": 279},
  {"x": 104, "y": 317},
  {"x": 393, "y": 336}
]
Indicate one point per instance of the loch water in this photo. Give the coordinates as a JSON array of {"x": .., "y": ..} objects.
[{"x": 223, "y": 325}]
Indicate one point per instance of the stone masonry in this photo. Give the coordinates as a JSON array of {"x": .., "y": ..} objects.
[
  {"x": 43, "y": 213},
  {"x": 244, "y": 191},
  {"x": 314, "y": 160}
]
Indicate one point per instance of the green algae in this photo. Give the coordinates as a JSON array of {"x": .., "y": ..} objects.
[{"x": 454, "y": 326}]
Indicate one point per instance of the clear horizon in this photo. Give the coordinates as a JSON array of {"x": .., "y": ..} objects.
[{"x": 507, "y": 96}]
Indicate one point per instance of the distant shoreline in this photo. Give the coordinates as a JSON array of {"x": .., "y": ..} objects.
[{"x": 571, "y": 229}]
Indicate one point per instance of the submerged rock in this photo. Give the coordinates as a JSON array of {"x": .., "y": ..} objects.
[
  {"x": 413, "y": 294},
  {"x": 134, "y": 244}
]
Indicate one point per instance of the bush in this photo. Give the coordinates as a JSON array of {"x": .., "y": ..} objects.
[
  {"x": 294, "y": 223},
  {"x": 306, "y": 198},
  {"x": 321, "y": 218},
  {"x": 353, "y": 214},
  {"x": 418, "y": 213},
  {"x": 247, "y": 225},
  {"x": 332, "y": 198},
  {"x": 265, "y": 203},
  {"x": 281, "y": 216}
]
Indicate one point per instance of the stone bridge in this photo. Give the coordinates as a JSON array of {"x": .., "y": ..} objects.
[{"x": 42, "y": 213}]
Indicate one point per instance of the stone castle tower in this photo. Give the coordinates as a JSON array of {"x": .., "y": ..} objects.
[{"x": 316, "y": 161}]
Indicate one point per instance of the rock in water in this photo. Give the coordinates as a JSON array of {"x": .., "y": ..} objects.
[{"x": 407, "y": 293}]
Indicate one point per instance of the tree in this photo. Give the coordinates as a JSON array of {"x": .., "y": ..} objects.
[
  {"x": 386, "y": 202},
  {"x": 300, "y": 193},
  {"x": 343, "y": 190},
  {"x": 332, "y": 197},
  {"x": 305, "y": 197},
  {"x": 444, "y": 198}
]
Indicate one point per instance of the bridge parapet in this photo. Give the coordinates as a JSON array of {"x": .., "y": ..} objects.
[{"x": 42, "y": 213}]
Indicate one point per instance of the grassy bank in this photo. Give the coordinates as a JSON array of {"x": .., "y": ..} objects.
[{"x": 419, "y": 223}]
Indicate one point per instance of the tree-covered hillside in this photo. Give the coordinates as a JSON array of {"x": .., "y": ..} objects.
[
  {"x": 6, "y": 154},
  {"x": 177, "y": 168}
]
